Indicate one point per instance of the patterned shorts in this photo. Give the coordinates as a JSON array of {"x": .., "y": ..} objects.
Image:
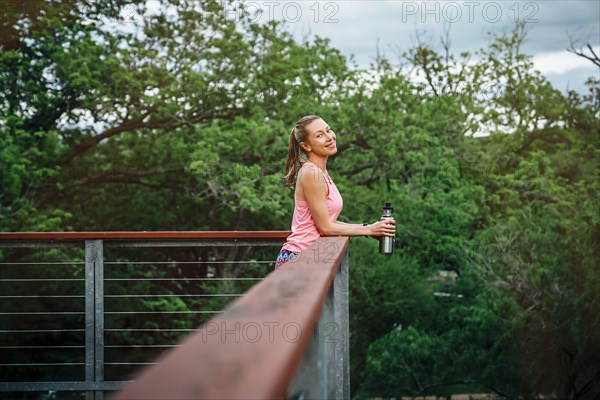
[{"x": 283, "y": 257}]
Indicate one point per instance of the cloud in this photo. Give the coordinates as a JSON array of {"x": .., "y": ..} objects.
[{"x": 560, "y": 62}]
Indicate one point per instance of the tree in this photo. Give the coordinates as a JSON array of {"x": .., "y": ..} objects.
[
  {"x": 165, "y": 125},
  {"x": 518, "y": 328}
]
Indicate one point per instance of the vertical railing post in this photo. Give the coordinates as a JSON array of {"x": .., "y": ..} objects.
[
  {"x": 89, "y": 316},
  {"x": 99, "y": 317},
  {"x": 325, "y": 369},
  {"x": 341, "y": 315},
  {"x": 94, "y": 315},
  {"x": 326, "y": 340}
]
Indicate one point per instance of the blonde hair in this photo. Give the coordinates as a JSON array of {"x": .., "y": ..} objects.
[{"x": 296, "y": 155}]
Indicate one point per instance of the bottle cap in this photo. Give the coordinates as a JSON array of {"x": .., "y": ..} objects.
[{"x": 388, "y": 206}]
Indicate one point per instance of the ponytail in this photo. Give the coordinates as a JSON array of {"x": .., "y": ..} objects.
[
  {"x": 296, "y": 155},
  {"x": 292, "y": 165}
]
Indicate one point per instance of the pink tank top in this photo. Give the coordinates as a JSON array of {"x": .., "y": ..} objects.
[{"x": 304, "y": 230}]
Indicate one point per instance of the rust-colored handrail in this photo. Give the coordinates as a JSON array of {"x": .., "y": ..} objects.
[
  {"x": 253, "y": 349},
  {"x": 145, "y": 235}
]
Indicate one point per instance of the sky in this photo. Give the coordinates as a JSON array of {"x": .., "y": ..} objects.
[{"x": 360, "y": 27}]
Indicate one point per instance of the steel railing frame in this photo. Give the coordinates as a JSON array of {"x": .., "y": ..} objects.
[
  {"x": 94, "y": 244},
  {"x": 310, "y": 293}
]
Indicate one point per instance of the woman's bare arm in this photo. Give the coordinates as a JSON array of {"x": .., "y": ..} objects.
[{"x": 314, "y": 192}]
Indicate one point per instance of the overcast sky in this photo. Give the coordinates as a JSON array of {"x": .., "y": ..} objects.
[{"x": 357, "y": 26}]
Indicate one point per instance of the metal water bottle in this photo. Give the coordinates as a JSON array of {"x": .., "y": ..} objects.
[{"x": 386, "y": 243}]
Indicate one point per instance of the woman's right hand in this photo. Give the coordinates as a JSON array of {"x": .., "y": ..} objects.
[{"x": 383, "y": 227}]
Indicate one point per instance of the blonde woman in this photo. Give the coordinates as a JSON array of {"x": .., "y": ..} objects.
[{"x": 318, "y": 202}]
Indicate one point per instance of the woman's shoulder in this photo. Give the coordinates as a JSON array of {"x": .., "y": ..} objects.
[
  {"x": 309, "y": 171},
  {"x": 308, "y": 165},
  {"x": 311, "y": 179}
]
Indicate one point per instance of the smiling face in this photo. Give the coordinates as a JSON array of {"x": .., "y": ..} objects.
[{"x": 321, "y": 140}]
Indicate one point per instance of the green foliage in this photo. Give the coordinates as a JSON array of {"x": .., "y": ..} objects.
[
  {"x": 184, "y": 124},
  {"x": 516, "y": 217}
]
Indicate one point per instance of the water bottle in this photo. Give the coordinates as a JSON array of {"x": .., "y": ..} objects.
[{"x": 386, "y": 243}]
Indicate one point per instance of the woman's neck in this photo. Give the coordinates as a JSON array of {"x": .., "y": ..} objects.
[{"x": 319, "y": 161}]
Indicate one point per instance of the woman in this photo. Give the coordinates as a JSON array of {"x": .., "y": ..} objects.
[{"x": 318, "y": 202}]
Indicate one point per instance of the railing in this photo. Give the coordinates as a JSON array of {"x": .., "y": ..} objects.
[{"x": 252, "y": 349}]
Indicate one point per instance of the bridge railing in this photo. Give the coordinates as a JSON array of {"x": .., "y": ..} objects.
[{"x": 129, "y": 302}]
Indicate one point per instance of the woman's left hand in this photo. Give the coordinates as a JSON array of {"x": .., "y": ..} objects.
[{"x": 383, "y": 227}]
